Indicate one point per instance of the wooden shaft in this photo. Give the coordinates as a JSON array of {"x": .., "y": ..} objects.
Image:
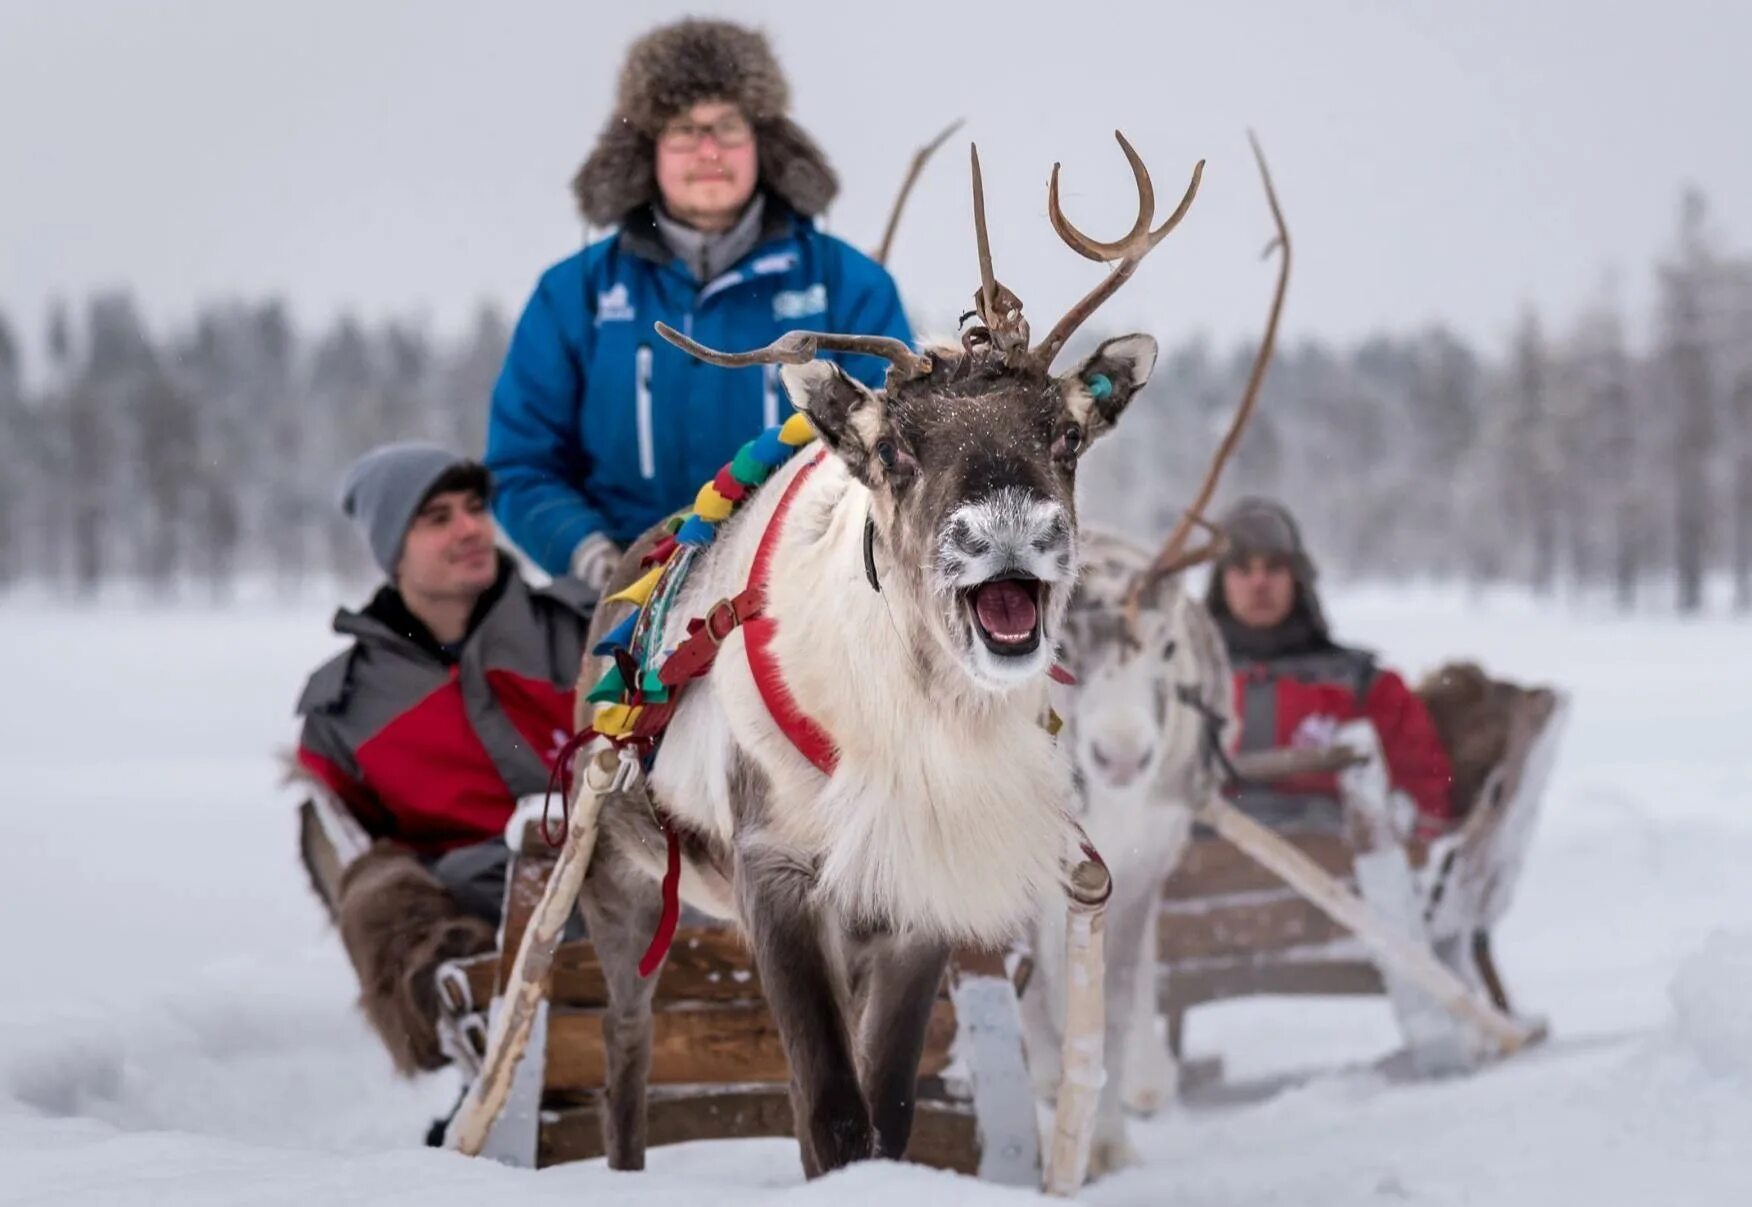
[
  {"x": 527, "y": 983},
  {"x": 1083, "y": 1056}
]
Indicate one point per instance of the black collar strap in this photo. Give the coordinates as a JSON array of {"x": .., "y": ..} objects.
[{"x": 870, "y": 554}]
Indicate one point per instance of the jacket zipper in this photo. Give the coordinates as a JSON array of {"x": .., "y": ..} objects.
[{"x": 642, "y": 386}]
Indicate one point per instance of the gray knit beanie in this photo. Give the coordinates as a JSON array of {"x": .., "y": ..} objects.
[{"x": 384, "y": 490}]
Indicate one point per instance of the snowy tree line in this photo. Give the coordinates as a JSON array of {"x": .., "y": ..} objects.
[
  {"x": 217, "y": 451},
  {"x": 1568, "y": 460}
]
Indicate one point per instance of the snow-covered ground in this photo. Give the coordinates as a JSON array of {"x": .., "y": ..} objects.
[{"x": 176, "y": 1022}]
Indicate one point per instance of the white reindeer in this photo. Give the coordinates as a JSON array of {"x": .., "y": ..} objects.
[
  {"x": 1136, "y": 726},
  {"x": 915, "y": 575},
  {"x": 1152, "y": 695}
]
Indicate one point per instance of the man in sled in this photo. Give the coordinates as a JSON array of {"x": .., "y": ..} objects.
[
  {"x": 450, "y": 705},
  {"x": 598, "y": 428},
  {"x": 1294, "y": 685}
]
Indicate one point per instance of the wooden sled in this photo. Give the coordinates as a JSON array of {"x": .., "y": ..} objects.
[
  {"x": 718, "y": 1070},
  {"x": 1231, "y": 928}
]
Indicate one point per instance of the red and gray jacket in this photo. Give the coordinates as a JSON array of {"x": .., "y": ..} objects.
[
  {"x": 430, "y": 745},
  {"x": 1298, "y": 699}
]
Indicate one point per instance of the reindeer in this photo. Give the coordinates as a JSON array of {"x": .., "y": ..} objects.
[
  {"x": 1152, "y": 690},
  {"x": 913, "y": 576}
]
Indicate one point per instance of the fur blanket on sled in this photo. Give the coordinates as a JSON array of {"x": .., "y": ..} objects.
[{"x": 1474, "y": 717}]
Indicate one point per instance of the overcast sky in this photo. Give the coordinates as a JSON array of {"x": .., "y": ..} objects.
[{"x": 1451, "y": 161}]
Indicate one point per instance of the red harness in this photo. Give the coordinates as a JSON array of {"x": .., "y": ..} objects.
[{"x": 694, "y": 658}]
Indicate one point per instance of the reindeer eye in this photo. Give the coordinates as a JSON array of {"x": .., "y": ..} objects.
[
  {"x": 1070, "y": 442},
  {"x": 887, "y": 453}
]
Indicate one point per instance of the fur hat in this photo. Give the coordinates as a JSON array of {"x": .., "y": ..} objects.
[
  {"x": 1256, "y": 526},
  {"x": 670, "y": 70}
]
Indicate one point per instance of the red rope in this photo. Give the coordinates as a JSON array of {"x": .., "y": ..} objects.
[
  {"x": 560, "y": 776},
  {"x": 671, "y": 905}
]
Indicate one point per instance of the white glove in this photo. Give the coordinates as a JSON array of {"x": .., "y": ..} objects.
[{"x": 594, "y": 560}]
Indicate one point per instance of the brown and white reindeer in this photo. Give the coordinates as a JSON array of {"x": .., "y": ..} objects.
[
  {"x": 1151, "y": 679},
  {"x": 910, "y": 579}
]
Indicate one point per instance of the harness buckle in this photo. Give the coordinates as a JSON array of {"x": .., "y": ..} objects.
[
  {"x": 722, "y": 610},
  {"x": 626, "y": 773}
]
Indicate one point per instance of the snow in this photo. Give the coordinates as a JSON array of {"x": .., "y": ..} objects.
[{"x": 177, "y": 1022}]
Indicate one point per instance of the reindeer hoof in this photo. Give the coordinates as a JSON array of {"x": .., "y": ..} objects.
[
  {"x": 844, "y": 1136},
  {"x": 1110, "y": 1152},
  {"x": 1151, "y": 1085}
]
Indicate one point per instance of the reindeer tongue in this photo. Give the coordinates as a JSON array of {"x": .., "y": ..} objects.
[{"x": 1005, "y": 609}]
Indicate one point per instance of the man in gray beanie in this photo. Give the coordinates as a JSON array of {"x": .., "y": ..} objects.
[
  {"x": 1294, "y": 684},
  {"x": 449, "y": 704}
]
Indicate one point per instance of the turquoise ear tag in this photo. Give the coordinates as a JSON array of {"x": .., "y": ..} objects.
[{"x": 1099, "y": 386}]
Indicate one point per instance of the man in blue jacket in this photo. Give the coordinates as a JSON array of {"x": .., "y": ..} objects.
[{"x": 599, "y": 428}]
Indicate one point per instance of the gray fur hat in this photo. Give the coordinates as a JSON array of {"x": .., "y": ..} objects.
[
  {"x": 1257, "y": 526},
  {"x": 673, "y": 68}
]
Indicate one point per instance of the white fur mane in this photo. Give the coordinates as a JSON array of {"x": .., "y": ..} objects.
[{"x": 945, "y": 813}]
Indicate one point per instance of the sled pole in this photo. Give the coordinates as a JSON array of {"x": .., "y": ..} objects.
[
  {"x": 1414, "y": 961},
  {"x": 1083, "y": 1058},
  {"x": 527, "y": 989}
]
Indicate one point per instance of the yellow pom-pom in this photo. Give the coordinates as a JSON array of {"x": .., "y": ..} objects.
[
  {"x": 797, "y": 431},
  {"x": 640, "y": 591},
  {"x": 712, "y": 506}
]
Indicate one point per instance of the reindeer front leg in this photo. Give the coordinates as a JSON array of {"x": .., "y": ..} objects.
[
  {"x": 621, "y": 906},
  {"x": 900, "y": 993},
  {"x": 831, "y": 1118}
]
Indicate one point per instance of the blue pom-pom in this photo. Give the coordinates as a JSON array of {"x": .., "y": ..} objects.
[
  {"x": 1100, "y": 386},
  {"x": 768, "y": 449},
  {"x": 696, "y": 532}
]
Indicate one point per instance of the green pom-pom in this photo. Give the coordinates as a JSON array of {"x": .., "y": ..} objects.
[{"x": 746, "y": 469}]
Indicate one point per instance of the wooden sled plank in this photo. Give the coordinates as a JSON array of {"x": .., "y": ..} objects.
[
  {"x": 1252, "y": 927},
  {"x": 706, "y": 964},
  {"x": 737, "y": 1044},
  {"x": 943, "y": 1136},
  {"x": 1212, "y": 867}
]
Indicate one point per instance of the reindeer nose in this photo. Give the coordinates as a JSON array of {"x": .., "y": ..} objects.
[
  {"x": 1011, "y": 532},
  {"x": 1120, "y": 766}
]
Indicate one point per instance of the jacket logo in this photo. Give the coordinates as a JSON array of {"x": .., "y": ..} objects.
[
  {"x": 613, "y": 305},
  {"x": 799, "y": 303},
  {"x": 1316, "y": 730}
]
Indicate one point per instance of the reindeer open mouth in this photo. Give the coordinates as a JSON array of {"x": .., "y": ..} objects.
[{"x": 1006, "y": 613}]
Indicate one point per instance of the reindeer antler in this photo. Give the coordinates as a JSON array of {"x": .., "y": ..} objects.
[
  {"x": 1125, "y": 254},
  {"x": 920, "y": 158},
  {"x": 999, "y": 310},
  {"x": 1174, "y": 556},
  {"x": 801, "y": 347}
]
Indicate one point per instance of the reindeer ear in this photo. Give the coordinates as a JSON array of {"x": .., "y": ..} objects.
[
  {"x": 1099, "y": 389},
  {"x": 847, "y": 414}
]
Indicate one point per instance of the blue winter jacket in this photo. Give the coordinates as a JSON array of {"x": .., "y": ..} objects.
[{"x": 599, "y": 425}]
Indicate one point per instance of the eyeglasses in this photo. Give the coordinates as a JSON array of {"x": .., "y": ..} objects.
[{"x": 731, "y": 130}]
